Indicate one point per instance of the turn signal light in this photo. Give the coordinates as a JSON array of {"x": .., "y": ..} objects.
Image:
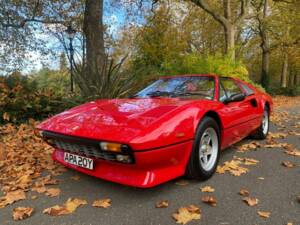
[{"x": 113, "y": 147}]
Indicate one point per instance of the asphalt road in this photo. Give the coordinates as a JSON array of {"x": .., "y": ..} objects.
[{"x": 277, "y": 193}]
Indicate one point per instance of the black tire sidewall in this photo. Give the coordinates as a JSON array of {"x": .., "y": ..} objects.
[{"x": 195, "y": 166}]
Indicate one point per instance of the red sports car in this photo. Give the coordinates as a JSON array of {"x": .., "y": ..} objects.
[{"x": 176, "y": 126}]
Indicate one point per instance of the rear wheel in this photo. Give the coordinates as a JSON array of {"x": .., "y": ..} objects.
[
  {"x": 206, "y": 150},
  {"x": 263, "y": 130}
]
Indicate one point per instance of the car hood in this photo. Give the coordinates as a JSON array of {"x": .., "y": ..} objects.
[{"x": 118, "y": 120}]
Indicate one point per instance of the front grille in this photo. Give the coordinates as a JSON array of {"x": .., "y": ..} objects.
[
  {"x": 82, "y": 146},
  {"x": 86, "y": 150}
]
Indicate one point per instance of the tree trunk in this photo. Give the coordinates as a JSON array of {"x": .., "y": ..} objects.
[
  {"x": 229, "y": 30},
  {"x": 93, "y": 30},
  {"x": 284, "y": 71},
  {"x": 265, "y": 46},
  {"x": 230, "y": 40}
]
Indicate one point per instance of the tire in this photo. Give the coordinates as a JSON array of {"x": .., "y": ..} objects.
[
  {"x": 197, "y": 168},
  {"x": 262, "y": 132}
]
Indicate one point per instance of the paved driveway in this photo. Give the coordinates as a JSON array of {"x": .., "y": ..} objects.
[{"x": 276, "y": 187}]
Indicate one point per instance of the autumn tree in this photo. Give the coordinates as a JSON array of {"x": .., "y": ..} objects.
[{"x": 229, "y": 19}]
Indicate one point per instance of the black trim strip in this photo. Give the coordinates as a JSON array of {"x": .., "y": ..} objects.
[
  {"x": 164, "y": 146},
  {"x": 80, "y": 140},
  {"x": 241, "y": 123}
]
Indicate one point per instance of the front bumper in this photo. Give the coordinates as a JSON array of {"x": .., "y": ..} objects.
[{"x": 151, "y": 167}]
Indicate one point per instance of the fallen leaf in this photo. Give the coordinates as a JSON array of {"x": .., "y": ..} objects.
[
  {"x": 102, "y": 203},
  {"x": 182, "y": 182},
  {"x": 69, "y": 207},
  {"x": 187, "y": 214},
  {"x": 233, "y": 167},
  {"x": 251, "y": 201},
  {"x": 52, "y": 192},
  {"x": 21, "y": 213},
  {"x": 261, "y": 178},
  {"x": 2, "y": 152},
  {"x": 56, "y": 211},
  {"x": 75, "y": 177},
  {"x": 288, "y": 164},
  {"x": 12, "y": 197},
  {"x": 264, "y": 214},
  {"x": 73, "y": 203},
  {"x": 207, "y": 189},
  {"x": 162, "y": 204},
  {"x": 244, "y": 192},
  {"x": 289, "y": 224},
  {"x": 293, "y": 152},
  {"x": 34, "y": 197},
  {"x": 209, "y": 200},
  {"x": 39, "y": 190}
]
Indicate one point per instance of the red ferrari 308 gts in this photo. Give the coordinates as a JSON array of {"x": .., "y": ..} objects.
[{"x": 176, "y": 126}]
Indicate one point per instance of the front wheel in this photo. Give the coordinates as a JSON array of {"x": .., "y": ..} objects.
[
  {"x": 263, "y": 130},
  {"x": 206, "y": 150}
]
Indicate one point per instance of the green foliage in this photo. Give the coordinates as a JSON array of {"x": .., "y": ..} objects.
[
  {"x": 289, "y": 91},
  {"x": 56, "y": 81},
  {"x": 20, "y": 99}
]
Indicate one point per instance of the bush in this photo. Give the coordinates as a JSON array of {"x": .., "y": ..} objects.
[
  {"x": 289, "y": 91},
  {"x": 21, "y": 99},
  {"x": 195, "y": 63}
]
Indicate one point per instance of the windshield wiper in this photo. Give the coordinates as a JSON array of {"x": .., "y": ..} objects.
[
  {"x": 159, "y": 93},
  {"x": 189, "y": 94}
]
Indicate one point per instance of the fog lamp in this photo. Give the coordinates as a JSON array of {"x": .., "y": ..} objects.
[{"x": 123, "y": 158}]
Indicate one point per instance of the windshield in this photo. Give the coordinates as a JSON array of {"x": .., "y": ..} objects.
[{"x": 183, "y": 87}]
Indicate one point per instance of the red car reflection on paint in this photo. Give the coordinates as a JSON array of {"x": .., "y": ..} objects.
[{"x": 176, "y": 126}]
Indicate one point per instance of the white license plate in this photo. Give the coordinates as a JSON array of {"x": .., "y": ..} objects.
[{"x": 79, "y": 160}]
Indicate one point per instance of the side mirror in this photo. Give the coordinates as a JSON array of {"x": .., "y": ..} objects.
[{"x": 235, "y": 98}]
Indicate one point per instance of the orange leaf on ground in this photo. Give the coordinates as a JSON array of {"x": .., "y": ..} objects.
[
  {"x": 251, "y": 201},
  {"x": 187, "y": 214},
  {"x": 69, "y": 207},
  {"x": 264, "y": 214},
  {"x": 209, "y": 200},
  {"x": 102, "y": 203},
  {"x": 162, "y": 204},
  {"x": 21, "y": 213},
  {"x": 208, "y": 189},
  {"x": 244, "y": 192},
  {"x": 53, "y": 192},
  {"x": 11, "y": 197},
  {"x": 288, "y": 164}
]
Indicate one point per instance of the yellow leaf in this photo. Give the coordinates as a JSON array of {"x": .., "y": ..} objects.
[
  {"x": 187, "y": 214},
  {"x": 264, "y": 214},
  {"x": 207, "y": 189},
  {"x": 162, "y": 204},
  {"x": 209, "y": 200},
  {"x": 251, "y": 201},
  {"x": 102, "y": 203},
  {"x": 21, "y": 213}
]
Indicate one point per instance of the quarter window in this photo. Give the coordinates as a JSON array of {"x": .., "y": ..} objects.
[
  {"x": 230, "y": 87},
  {"x": 248, "y": 90}
]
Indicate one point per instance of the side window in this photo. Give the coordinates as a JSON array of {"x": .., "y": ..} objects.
[
  {"x": 222, "y": 94},
  {"x": 231, "y": 88},
  {"x": 248, "y": 90}
]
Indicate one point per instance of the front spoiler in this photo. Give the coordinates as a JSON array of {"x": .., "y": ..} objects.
[{"x": 151, "y": 167}]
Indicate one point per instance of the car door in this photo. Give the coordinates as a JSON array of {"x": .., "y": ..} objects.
[{"x": 237, "y": 116}]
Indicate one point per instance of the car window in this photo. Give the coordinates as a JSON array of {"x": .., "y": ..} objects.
[
  {"x": 248, "y": 90},
  {"x": 230, "y": 86},
  {"x": 222, "y": 94}
]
